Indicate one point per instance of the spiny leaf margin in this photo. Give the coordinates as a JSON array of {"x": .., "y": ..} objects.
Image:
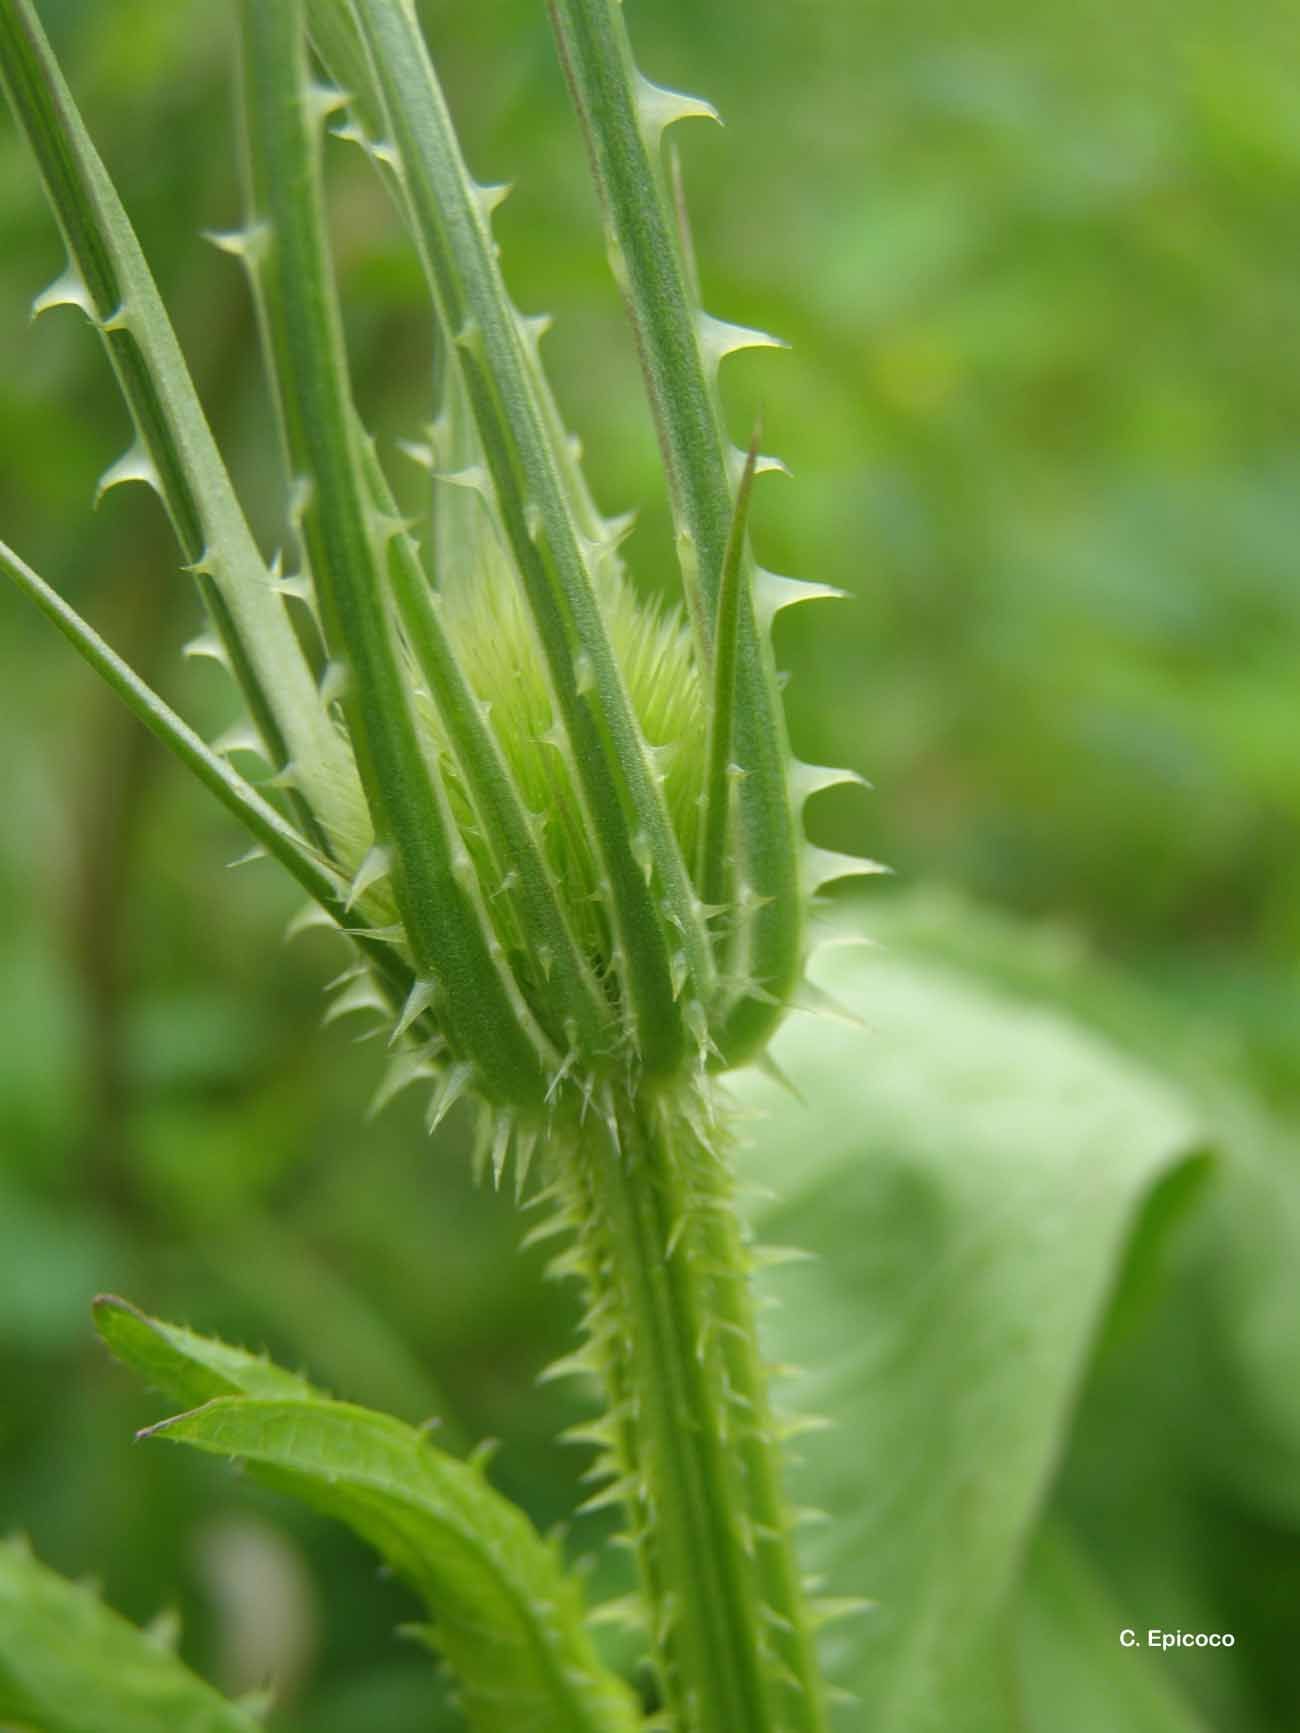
[{"x": 507, "y": 1616}]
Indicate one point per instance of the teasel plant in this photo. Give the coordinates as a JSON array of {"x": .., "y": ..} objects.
[{"x": 558, "y": 824}]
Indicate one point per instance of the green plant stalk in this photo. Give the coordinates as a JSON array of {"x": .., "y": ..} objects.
[
  {"x": 638, "y": 1158},
  {"x": 689, "y": 1439},
  {"x": 727, "y": 1617},
  {"x": 624, "y": 117},
  {"x": 789, "y": 1637},
  {"x": 450, "y": 938},
  {"x": 269, "y": 828},
  {"x": 109, "y": 280}
]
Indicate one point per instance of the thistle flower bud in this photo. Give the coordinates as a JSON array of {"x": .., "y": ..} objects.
[
  {"x": 556, "y": 819},
  {"x": 578, "y": 837}
]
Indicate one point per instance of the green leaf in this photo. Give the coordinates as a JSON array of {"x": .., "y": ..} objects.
[
  {"x": 717, "y": 840},
  {"x": 1237, "y": 1293},
  {"x": 69, "y": 1664},
  {"x": 970, "y": 1180},
  {"x": 188, "y": 1367},
  {"x": 1075, "y": 1675},
  {"x": 508, "y": 1619}
]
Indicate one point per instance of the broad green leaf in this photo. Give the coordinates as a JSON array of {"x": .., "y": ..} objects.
[
  {"x": 1182, "y": 1479},
  {"x": 508, "y": 1619},
  {"x": 1075, "y": 1675},
  {"x": 969, "y": 1169},
  {"x": 69, "y": 1664},
  {"x": 1238, "y": 1301},
  {"x": 1235, "y": 1290}
]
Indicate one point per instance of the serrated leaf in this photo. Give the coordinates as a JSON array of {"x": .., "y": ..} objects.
[
  {"x": 69, "y": 1664},
  {"x": 508, "y": 1619},
  {"x": 188, "y": 1367}
]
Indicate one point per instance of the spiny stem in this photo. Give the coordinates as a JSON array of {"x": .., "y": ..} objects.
[
  {"x": 800, "y": 1687},
  {"x": 693, "y": 1445}
]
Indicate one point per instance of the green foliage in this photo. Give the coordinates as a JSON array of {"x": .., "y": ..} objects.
[
  {"x": 977, "y": 1176},
  {"x": 668, "y": 998},
  {"x": 1037, "y": 270},
  {"x": 188, "y": 1367},
  {"x": 1072, "y": 1671},
  {"x": 70, "y": 1665},
  {"x": 506, "y": 1615}
]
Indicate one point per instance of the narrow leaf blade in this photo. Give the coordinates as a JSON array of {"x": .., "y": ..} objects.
[
  {"x": 123, "y": 302},
  {"x": 239, "y": 797},
  {"x": 623, "y": 116},
  {"x": 486, "y": 1020}
]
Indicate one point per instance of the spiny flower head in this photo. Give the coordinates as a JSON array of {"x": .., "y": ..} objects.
[{"x": 559, "y": 822}]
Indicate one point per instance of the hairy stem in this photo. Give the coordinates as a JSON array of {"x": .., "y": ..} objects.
[{"x": 690, "y": 1438}]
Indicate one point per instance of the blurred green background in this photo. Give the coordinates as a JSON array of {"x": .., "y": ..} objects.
[{"x": 1039, "y": 268}]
